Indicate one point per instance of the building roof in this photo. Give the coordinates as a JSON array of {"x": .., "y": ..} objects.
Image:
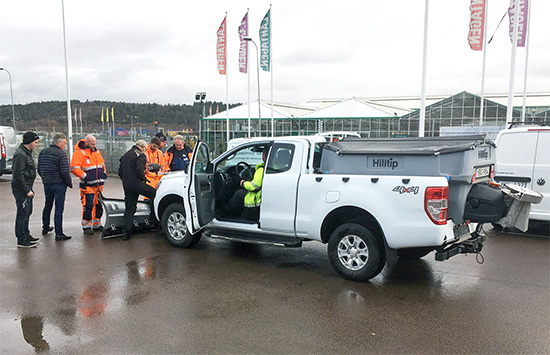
[
  {"x": 280, "y": 111},
  {"x": 350, "y": 108}
]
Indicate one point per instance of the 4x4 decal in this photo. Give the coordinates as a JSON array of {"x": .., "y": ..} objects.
[{"x": 406, "y": 189}]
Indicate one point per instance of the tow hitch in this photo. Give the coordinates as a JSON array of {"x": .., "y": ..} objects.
[{"x": 474, "y": 244}]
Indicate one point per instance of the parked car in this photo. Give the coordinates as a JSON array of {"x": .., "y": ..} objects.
[
  {"x": 523, "y": 158},
  {"x": 8, "y": 145}
]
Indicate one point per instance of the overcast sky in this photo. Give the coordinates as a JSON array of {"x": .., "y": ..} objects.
[{"x": 164, "y": 51}]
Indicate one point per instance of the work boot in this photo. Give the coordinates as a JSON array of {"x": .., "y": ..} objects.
[
  {"x": 46, "y": 230},
  {"x": 33, "y": 240},
  {"x": 126, "y": 236},
  {"x": 62, "y": 237},
  {"x": 99, "y": 229},
  {"x": 88, "y": 231}
]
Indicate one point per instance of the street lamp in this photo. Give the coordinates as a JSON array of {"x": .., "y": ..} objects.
[
  {"x": 258, "y": 70},
  {"x": 11, "y": 91},
  {"x": 200, "y": 96}
]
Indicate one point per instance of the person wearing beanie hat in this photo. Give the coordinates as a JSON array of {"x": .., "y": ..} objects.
[
  {"x": 23, "y": 175},
  {"x": 162, "y": 138},
  {"x": 30, "y": 137}
]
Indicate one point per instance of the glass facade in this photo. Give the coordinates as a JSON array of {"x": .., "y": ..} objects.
[{"x": 458, "y": 110}]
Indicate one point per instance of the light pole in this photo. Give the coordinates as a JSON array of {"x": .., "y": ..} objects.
[
  {"x": 11, "y": 91},
  {"x": 258, "y": 70},
  {"x": 200, "y": 96}
]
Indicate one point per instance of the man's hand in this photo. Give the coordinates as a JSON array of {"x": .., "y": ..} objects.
[
  {"x": 30, "y": 194},
  {"x": 242, "y": 182}
]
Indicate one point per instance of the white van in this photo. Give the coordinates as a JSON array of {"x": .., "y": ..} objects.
[
  {"x": 523, "y": 158},
  {"x": 8, "y": 145}
]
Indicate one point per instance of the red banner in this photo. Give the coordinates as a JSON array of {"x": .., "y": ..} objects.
[
  {"x": 477, "y": 24},
  {"x": 221, "y": 48}
]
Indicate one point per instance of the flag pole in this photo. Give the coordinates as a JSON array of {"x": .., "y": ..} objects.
[
  {"x": 271, "y": 68},
  {"x": 483, "y": 66},
  {"x": 69, "y": 122},
  {"x": 226, "y": 83},
  {"x": 526, "y": 60},
  {"x": 422, "y": 118},
  {"x": 510, "y": 107},
  {"x": 248, "y": 74}
]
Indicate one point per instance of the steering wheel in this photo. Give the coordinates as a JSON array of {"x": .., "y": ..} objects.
[{"x": 245, "y": 171}]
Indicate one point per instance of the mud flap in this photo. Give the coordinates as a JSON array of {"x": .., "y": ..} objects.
[{"x": 114, "y": 211}]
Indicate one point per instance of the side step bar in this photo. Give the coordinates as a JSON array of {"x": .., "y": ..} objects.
[
  {"x": 472, "y": 245},
  {"x": 279, "y": 241}
]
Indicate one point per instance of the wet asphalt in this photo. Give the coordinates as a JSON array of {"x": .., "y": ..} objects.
[{"x": 93, "y": 296}]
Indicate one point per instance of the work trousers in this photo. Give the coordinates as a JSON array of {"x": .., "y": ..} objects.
[
  {"x": 130, "y": 204},
  {"x": 24, "y": 211},
  {"x": 54, "y": 193},
  {"x": 91, "y": 207}
]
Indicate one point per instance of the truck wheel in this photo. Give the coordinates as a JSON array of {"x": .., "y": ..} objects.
[
  {"x": 175, "y": 228},
  {"x": 355, "y": 253},
  {"x": 413, "y": 253}
]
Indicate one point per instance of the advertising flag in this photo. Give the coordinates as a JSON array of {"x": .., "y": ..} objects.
[
  {"x": 265, "y": 42},
  {"x": 80, "y": 114},
  {"x": 107, "y": 114},
  {"x": 221, "y": 48},
  {"x": 477, "y": 24},
  {"x": 522, "y": 20},
  {"x": 75, "y": 116},
  {"x": 113, "y": 113},
  {"x": 243, "y": 48},
  {"x": 102, "y": 114}
]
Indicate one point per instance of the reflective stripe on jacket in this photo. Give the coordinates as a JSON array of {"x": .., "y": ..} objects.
[
  {"x": 253, "y": 197},
  {"x": 88, "y": 165}
]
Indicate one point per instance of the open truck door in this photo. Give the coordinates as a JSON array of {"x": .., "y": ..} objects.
[{"x": 198, "y": 189}]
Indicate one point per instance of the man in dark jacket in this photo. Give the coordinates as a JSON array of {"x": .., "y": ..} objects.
[
  {"x": 53, "y": 167},
  {"x": 132, "y": 173},
  {"x": 23, "y": 175}
]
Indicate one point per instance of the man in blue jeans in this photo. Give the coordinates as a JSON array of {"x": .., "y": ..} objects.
[{"x": 53, "y": 167}]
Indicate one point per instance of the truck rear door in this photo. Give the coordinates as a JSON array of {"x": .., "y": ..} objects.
[{"x": 280, "y": 186}]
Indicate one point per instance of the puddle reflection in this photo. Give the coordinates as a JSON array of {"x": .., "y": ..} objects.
[{"x": 32, "y": 327}]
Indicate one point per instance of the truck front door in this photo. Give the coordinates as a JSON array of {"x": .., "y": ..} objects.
[{"x": 199, "y": 204}]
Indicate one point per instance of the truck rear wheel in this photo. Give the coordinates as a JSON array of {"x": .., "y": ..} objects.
[
  {"x": 355, "y": 253},
  {"x": 175, "y": 229}
]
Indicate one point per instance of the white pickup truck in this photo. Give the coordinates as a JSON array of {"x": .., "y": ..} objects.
[{"x": 368, "y": 199}]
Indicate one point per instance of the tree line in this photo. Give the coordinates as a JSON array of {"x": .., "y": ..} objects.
[{"x": 48, "y": 115}]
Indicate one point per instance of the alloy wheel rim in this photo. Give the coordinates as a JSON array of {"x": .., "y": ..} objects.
[
  {"x": 353, "y": 252},
  {"x": 176, "y": 226}
]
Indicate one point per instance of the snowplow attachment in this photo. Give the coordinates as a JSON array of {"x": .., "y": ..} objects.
[{"x": 114, "y": 210}]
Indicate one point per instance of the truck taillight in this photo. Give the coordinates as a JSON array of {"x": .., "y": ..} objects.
[
  {"x": 2, "y": 146},
  {"x": 436, "y": 204}
]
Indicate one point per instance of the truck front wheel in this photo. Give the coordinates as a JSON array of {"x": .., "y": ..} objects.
[
  {"x": 175, "y": 228},
  {"x": 355, "y": 253}
]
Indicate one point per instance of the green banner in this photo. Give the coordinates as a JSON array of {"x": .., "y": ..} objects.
[{"x": 265, "y": 42}]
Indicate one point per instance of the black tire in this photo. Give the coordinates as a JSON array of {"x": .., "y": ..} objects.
[
  {"x": 355, "y": 253},
  {"x": 413, "y": 253},
  {"x": 174, "y": 227}
]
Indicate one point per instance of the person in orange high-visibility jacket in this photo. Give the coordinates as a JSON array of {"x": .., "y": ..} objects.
[
  {"x": 88, "y": 165},
  {"x": 154, "y": 156}
]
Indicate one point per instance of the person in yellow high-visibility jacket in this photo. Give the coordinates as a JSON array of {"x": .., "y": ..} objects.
[{"x": 246, "y": 201}]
